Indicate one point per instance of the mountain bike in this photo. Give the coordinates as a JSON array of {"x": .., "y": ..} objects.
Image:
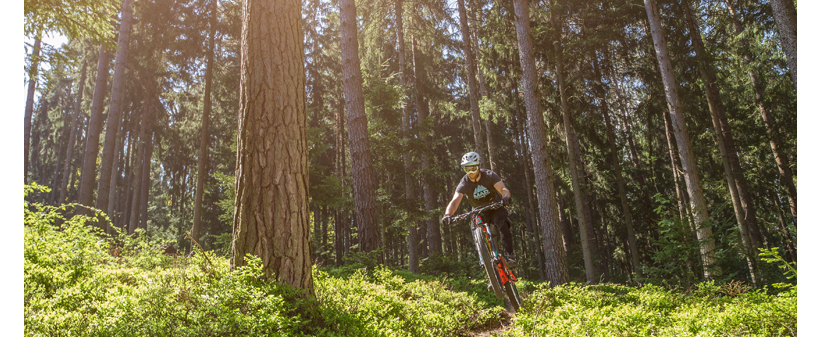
[{"x": 502, "y": 279}]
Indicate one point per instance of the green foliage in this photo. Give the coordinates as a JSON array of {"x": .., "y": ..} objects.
[
  {"x": 616, "y": 310},
  {"x": 382, "y": 303},
  {"x": 75, "y": 19},
  {"x": 80, "y": 281},
  {"x": 789, "y": 269}
]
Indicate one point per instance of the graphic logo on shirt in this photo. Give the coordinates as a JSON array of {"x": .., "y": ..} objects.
[{"x": 480, "y": 192}]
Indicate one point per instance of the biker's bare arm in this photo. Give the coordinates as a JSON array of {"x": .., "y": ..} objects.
[
  {"x": 453, "y": 205},
  {"x": 502, "y": 189}
]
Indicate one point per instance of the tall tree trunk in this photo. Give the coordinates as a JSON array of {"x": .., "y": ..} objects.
[
  {"x": 693, "y": 185},
  {"x": 716, "y": 108},
  {"x": 527, "y": 183},
  {"x": 202, "y": 169},
  {"x": 136, "y": 186},
  {"x": 556, "y": 261},
  {"x": 92, "y": 142},
  {"x": 146, "y": 179},
  {"x": 412, "y": 237},
  {"x": 33, "y": 73},
  {"x": 466, "y": 44},
  {"x": 616, "y": 167},
  {"x": 339, "y": 226},
  {"x": 785, "y": 15},
  {"x": 423, "y": 110},
  {"x": 571, "y": 142},
  {"x": 364, "y": 183},
  {"x": 115, "y": 109},
  {"x": 77, "y": 116},
  {"x": 271, "y": 218},
  {"x": 780, "y": 158},
  {"x": 482, "y": 85},
  {"x": 61, "y": 145}
]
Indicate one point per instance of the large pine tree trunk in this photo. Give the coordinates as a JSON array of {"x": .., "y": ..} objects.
[
  {"x": 92, "y": 142},
  {"x": 785, "y": 15},
  {"x": 556, "y": 261},
  {"x": 202, "y": 168},
  {"x": 271, "y": 218},
  {"x": 32, "y": 85},
  {"x": 783, "y": 165},
  {"x": 115, "y": 109},
  {"x": 472, "y": 86},
  {"x": 77, "y": 116},
  {"x": 716, "y": 108},
  {"x": 691, "y": 175},
  {"x": 364, "y": 183}
]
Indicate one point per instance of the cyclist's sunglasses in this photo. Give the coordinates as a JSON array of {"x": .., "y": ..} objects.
[{"x": 470, "y": 169}]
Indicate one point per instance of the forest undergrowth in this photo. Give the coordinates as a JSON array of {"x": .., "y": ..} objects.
[{"x": 80, "y": 282}]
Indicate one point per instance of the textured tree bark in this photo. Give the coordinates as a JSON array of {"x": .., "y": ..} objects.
[
  {"x": 472, "y": 86},
  {"x": 32, "y": 85},
  {"x": 72, "y": 137},
  {"x": 556, "y": 261},
  {"x": 271, "y": 218},
  {"x": 92, "y": 142},
  {"x": 202, "y": 168},
  {"x": 783, "y": 165},
  {"x": 785, "y": 15},
  {"x": 716, "y": 108},
  {"x": 364, "y": 183},
  {"x": 691, "y": 175},
  {"x": 115, "y": 109}
]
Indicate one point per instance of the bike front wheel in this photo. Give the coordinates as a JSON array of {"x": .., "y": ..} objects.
[
  {"x": 512, "y": 295},
  {"x": 489, "y": 266}
]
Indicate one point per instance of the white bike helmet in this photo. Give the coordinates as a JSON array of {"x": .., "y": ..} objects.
[{"x": 470, "y": 159}]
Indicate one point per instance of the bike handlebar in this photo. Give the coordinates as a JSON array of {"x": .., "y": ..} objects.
[{"x": 463, "y": 216}]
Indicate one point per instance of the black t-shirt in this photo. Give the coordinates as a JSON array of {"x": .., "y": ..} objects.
[{"x": 482, "y": 192}]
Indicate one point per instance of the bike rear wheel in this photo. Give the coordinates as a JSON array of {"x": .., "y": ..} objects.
[
  {"x": 489, "y": 266},
  {"x": 512, "y": 295}
]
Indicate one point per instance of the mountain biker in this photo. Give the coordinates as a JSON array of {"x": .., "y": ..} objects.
[{"x": 483, "y": 187}]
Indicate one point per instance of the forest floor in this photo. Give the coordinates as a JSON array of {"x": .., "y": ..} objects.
[{"x": 494, "y": 330}]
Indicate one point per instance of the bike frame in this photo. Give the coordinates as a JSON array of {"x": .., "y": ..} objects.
[{"x": 504, "y": 273}]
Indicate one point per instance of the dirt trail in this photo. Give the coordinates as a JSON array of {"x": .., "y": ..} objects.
[{"x": 495, "y": 330}]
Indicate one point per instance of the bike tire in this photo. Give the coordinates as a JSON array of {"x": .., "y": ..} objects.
[
  {"x": 489, "y": 267},
  {"x": 512, "y": 295}
]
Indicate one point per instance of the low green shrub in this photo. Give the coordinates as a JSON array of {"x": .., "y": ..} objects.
[
  {"x": 82, "y": 282},
  {"x": 615, "y": 310}
]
